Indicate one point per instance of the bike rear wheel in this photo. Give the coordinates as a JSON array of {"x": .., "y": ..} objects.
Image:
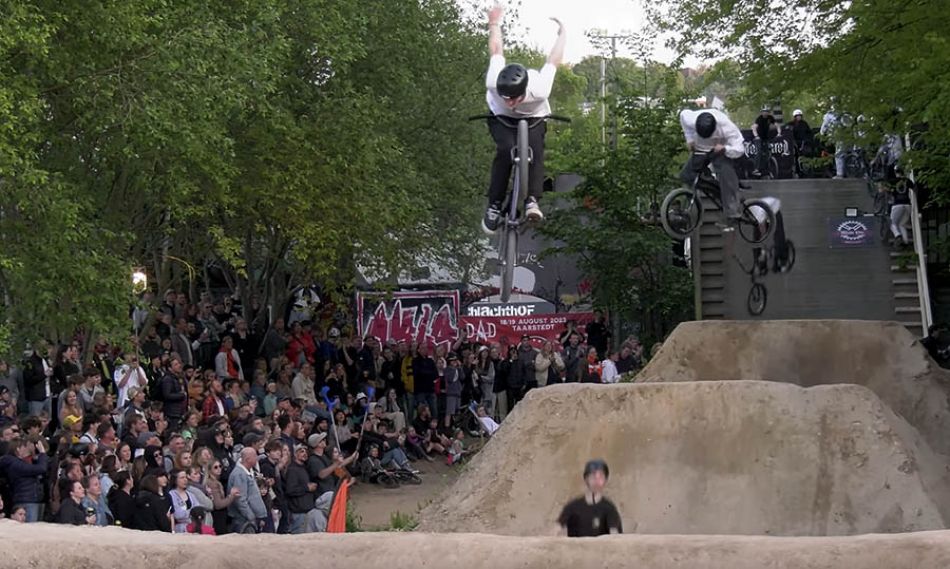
[
  {"x": 758, "y": 298},
  {"x": 681, "y": 213},
  {"x": 757, "y": 222}
]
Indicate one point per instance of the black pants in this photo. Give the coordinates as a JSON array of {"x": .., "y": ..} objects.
[
  {"x": 779, "y": 243},
  {"x": 506, "y": 138}
]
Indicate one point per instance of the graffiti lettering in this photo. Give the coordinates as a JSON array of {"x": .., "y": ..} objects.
[{"x": 427, "y": 317}]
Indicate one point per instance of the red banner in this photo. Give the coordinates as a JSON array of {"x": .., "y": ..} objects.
[
  {"x": 430, "y": 317},
  {"x": 506, "y": 330}
]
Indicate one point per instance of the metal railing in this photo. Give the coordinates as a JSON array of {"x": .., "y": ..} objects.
[{"x": 923, "y": 283}]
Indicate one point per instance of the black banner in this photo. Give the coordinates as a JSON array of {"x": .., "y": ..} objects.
[{"x": 782, "y": 160}]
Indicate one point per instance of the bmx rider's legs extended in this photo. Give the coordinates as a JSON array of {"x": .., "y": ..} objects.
[{"x": 505, "y": 139}]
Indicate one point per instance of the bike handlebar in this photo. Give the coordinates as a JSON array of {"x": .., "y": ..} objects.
[{"x": 558, "y": 118}]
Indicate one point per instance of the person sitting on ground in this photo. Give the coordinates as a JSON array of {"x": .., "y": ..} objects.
[
  {"x": 371, "y": 467},
  {"x": 416, "y": 445},
  {"x": 457, "y": 449},
  {"x": 435, "y": 440}
]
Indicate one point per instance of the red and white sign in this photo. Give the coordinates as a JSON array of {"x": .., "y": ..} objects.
[{"x": 507, "y": 330}]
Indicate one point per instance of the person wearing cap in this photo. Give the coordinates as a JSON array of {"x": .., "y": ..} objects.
[
  {"x": 592, "y": 514},
  {"x": 72, "y": 424},
  {"x": 299, "y": 490},
  {"x": 764, "y": 130},
  {"x": 321, "y": 467}
]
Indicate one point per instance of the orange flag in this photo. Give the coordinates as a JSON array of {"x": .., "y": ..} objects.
[{"x": 337, "y": 521}]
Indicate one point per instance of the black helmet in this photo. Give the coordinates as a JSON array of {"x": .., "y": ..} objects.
[
  {"x": 705, "y": 125},
  {"x": 512, "y": 81},
  {"x": 595, "y": 465}
]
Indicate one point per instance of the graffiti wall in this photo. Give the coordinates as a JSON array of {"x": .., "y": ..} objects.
[{"x": 426, "y": 316}]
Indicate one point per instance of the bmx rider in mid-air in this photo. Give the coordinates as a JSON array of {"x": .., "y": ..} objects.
[
  {"x": 711, "y": 131},
  {"x": 515, "y": 93},
  {"x": 592, "y": 514}
]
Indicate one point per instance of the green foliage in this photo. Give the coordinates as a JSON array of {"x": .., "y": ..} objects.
[
  {"x": 402, "y": 522},
  {"x": 888, "y": 61},
  {"x": 606, "y": 221},
  {"x": 283, "y": 142},
  {"x": 354, "y": 522}
]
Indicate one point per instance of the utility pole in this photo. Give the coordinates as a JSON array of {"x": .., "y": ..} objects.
[{"x": 603, "y": 76}]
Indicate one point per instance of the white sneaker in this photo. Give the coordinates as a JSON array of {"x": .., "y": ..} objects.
[{"x": 532, "y": 211}]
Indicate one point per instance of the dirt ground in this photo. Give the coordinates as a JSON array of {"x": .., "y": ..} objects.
[
  {"x": 707, "y": 457},
  {"x": 47, "y": 546},
  {"x": 375, "y": 504}
]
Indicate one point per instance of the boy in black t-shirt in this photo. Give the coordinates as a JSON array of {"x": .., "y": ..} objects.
[{"x": 592, "y": 514}]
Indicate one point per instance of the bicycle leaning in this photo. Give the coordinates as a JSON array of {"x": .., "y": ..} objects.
[
  {"x": 682, "y": 209},
  {"x": 513, "y": 207}
]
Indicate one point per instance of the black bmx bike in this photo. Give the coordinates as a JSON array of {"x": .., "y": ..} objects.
[
  {"x": 513, "y": 207},
  {"x": 682, "y": 209},
  {"x": 762, "y": 260}
]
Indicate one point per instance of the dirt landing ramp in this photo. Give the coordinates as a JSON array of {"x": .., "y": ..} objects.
[
  {"x": 55, "y": 547},
  {"x": 882, "y": 356},
  {"x": 737, "y": 457}
]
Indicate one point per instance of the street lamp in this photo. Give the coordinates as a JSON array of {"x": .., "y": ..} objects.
[{"x": 139, "y": 280}]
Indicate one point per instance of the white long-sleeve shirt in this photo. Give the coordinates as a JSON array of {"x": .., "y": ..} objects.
[
  {"x": 535, "y": 103},
  {"x": 609, "y": 373},
  {"x": 726, "y": 133}
]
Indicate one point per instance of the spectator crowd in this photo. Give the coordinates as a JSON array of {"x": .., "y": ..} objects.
[{"x": 211, "y": 425}]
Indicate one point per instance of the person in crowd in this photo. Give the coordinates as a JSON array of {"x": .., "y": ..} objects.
[
  {"x": 227, "y": 364},
  {"x": 299, "y": 490},
  {"x": 91, "y": 387},
  {"x": 901, "y": 212},
  {"x": 425, "y": 374},
  {"x": 548, "y": 365},
  {"x": 484, "y": 376},
  {"x": 304, "y": 384},
  {"x": 182, "y": 500},
  {"x": 275, "y": 341},
  {"x": 120, "y": 500},
  {"x": 452, "y": 376},
  {"x": 609, "y": 368},
  {"x": 630, "y": 357},
  {"x": 38, "y": 379},
  {"x": 152, "y": 506},
  {"x": 598, "y": 334},
  {"x": 247, "y": 511},
  {"x": 485, "y": 420},
  {"x": 764, "y": 129},
  {"x": 174, "y": 393},
  {"x": 25, "y": 468},
  {"x": 593, "y": 372},
  {"x": 803, "y": 139},
  {"x": 222, "y": 500},
  {"x": 832, "y": 128},
  {"x": 391, "y": 410},
  {"x": 95, "y": 501},
  {"x": 71, "y": 510},
  {"x": 521, "y": 378}
]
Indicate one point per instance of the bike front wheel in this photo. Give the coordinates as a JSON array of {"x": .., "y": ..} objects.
[
  {"x": 681, "y": 213},
  {"x": 758, "y": 298},
  {"x": 509, "y": 256},
  {"x": 757, "y": 222}
]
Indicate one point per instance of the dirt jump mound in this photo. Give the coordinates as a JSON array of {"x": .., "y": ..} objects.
[
  {"x": 735, "y": 457},
  {"x": 882, "y": 356}
]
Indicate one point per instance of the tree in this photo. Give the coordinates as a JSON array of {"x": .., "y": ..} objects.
[
  {"x": 885, "y": 60},
  {"x": 271, "y": 142},
  {"x": 606, "y": 221}
]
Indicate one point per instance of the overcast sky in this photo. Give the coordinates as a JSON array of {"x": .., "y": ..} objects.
[{"x": 616, "y": 17}]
